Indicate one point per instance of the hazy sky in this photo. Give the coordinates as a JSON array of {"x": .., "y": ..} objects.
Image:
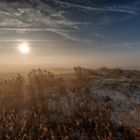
[{"x": 66, "y": 33}]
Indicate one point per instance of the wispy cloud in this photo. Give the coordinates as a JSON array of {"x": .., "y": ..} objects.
[
  {"x": 26, "y": 40},
  {"x": 61, "y": 18},
  {"x": 34, "y": 29},
  {"x": 127, "y": 45},
  {"x": 109, "y": 9}
]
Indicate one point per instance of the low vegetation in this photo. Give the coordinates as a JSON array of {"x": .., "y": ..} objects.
[{"x": 45, "y": 106}]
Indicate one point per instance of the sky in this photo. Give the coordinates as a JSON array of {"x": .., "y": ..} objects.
[{"x": 67, "y": 33}]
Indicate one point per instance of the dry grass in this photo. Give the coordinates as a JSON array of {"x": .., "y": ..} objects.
[{"x": 48, "y": 107}]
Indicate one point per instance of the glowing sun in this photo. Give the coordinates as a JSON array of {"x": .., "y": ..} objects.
[{"x": 24, "y": 48}]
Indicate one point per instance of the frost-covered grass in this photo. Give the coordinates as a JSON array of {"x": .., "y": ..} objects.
[{"x": 88, "y": 104}]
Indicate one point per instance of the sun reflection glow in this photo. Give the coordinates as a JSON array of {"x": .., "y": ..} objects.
[{"x": 24, "y": 48}]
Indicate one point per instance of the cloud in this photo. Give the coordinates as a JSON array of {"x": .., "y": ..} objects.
[
  {"x": 26, "y": 40},
  {"x": 26, "y": 15},
  {"x": 109, "y": 9},
  {"x": 127, "y": 45},
  {"x": 32, "y": 29},
  {"x": 70, "y": 21},
  {"x": 4, "y": 13}
]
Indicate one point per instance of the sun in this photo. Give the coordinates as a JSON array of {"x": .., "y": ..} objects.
[{"x": 24, "y": 48}]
